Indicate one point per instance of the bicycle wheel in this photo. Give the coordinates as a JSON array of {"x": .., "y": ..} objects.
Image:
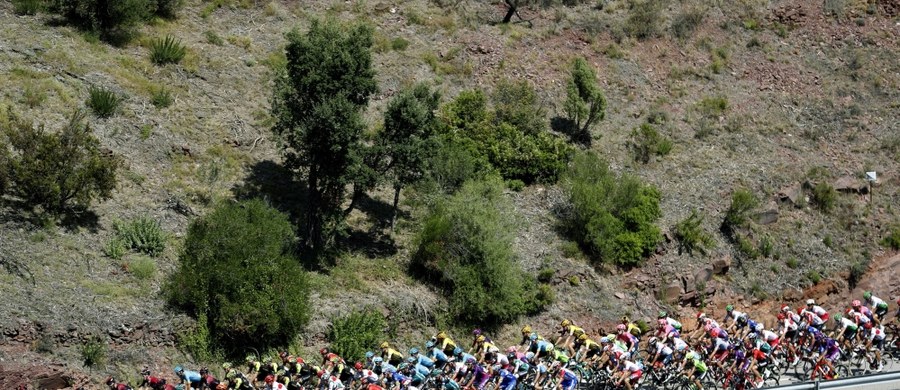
[{"x": 842, "y": 370}]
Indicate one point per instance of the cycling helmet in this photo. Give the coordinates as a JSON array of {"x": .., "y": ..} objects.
[
  {"x": 529, "y": 355},
  {"x": 565, "y": 323},
  {"x": 300, "y": 360},
  {"x": 785, "y": 308},
  {"x": 583, "y": 337},
  {"x": 370, "y": 354},
  {"x": 270, "y": 378},
  {"x": 385, "y": 345},
  {"x": 203, "y": 371},
  {"x": 663, "y": 314},
  {"x": 760, "y": 327},
  {"x": 410, "y": 359},
  {"x": 681, "y": 347},
  {"x": 729, "y": 308},
  {"x": 604, "y": 340},
  {"x": 780, "y": 316},
  {"x": 377, "y": 360},
  {"x": 856, "y": 303},
  {"x": 470, "y": 360},
  {"x": 226, "y": 366},
  {"x": 413, "y": 351},
  {"x": 178, "y": 370},
  {"x": 837, "y": 317},
  {"x": 358, "y": 366},
  {"x": 476, "y": 332},
  {"x": 811, "y": 330},
  {"x": 323, "y": 351},
  {"x": 867, "y": 295},
  {"x": 620, "y": 327},
  {"x": 526, "y": 329},
  {"x": 441, "y": 335},
  {"x": 319, "y": 374},
  {"x": 479, "y": 339},
  {"x": 751, "y": 336},
  {"x": 230, "y": 375},
  {"x": 810, "y": 302},
  {"x": 701, "y": 315},
  {"x": 110, "y": 381},
  {"x": 533, "y": 336},
  {"x": 146, "y": 371},
  {"x": 457, "y": 351},
  {"x": 429, "y": 344}
]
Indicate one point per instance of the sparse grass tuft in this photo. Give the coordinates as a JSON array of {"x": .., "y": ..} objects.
[
  {"x": 34, "y": 94},
  {"x": 27, "y": 7},
  {"x": 892, "y": 240},
  {"x": 142, "y": 268},
  {"x": 103, "y": 102},
  {"x": 691, "y": 235},
  {"x": 614, "y": 51},
  {"x": 545, "y": 275},
  {"x": 571, "y": 249},
  {"x": 814, "y": 276},
  {"x": 161, "y": 97},
  {"x": 647, "y": 142},
  {"x": 115, "y": 248},
  {"x": 167, "y": 50},
  {"x": 824, "y": 197},
  {"x": 792, "y": 263},
  {"x": 644, "y": 19},
  {"x": 686, "y": 22},
  {"x": 213, "y": 38},
  {"x": 713, "y": 107},
  {"x": 93, "y": 352},
  {"x": 399, "y": 44}
]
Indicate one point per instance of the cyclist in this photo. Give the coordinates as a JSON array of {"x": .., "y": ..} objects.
[
  {"x": 568, "y": 380},
  {"x": 629, "y": 341},
  {"x": 189, "y": 378},
  {"x": 254, "y": 367},
  {"x": 629, "y": 374},
  {"x": 480, "y": 375},
  {"x": 733, "y": 315},
  {"x": 671, "y": 321},
  {"x": 788, "y": 332},
  {"x": 757, "y": 356},
  {"x": 718, "y": 351},
  {"x": 879, "y": 306},
  {"x": 207, "y": 382},
  {"x": 697, "y": 367},
  {"x": 508, "y": 379},
  {"x": 363, "y": 373},
  {"x": 811, "y": 318},
  {"x": 818, "y": 310},
  {"x": 436, "y": 354},
  {"x": 392, "y": 356},
  {"x": 476, "y": 336},
  {"x": 421, "y": 360},
  {"x": 151, "y": 381},
  {"x": 568, "y": 332},
  {"x": 444, "y": 342},
  {"x": 858, "y": 307},
  {"x": 111, "y": 383},
  {"x": 326, "y": 382},
  {"x": 633, "y": 328},
  {"x": 539, "y": 347},
  {"x": 831, "y": 352},
  {"x": 663, "y": 354},
  {"x": 876, "y": 339},
  {"x": 367, "y": 383},
  {"x": 483, "y": 347},
  {"x": 591, "y": 348},
  {"x": 237, "y": 380},
  {"x": 845, "y": 329}
]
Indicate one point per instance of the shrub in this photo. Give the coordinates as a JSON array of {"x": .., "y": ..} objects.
[
  {"x": 585, "y": 104},
  {"x": 93, "y": 352},
  {"x": 236, "y": 268},
  {"x": 34, "y": 95},
  {"x": 168, "y": 8},
  {"x": 115, "y": 248},
  {"x": 738, "y": 214},
  {"x": 454, "y": 161},
  {"x": 354, "y": 334},
  {"x": 644, "y": 19},
  {"x": 814, "y": 276},
  {"x": 857, "y": 270},
  {"x": 691, "y": 236},
  {"x": 824, "y": 197},
  {"x": 646, "y": 142},
  {"x": 115, "y": 21},
  {"x": 161, "y": 97},
  {"x": 686, "y": 22},
  {"x": 59, "y": 170},
  {"x": 399, "y": 44},
  {"x": 196, "y": 340},
  {"x": 892, "y": 240},
  {"x": 766, "y": 247},
  {"x": 167, "y": 50},
  {"x": 516, "y": 103},
  {"x": 103, "y": 102},
  {"x": 142, "y": 268},
  {"x": 611, "y": 215},
  {"x": 792, "y": 263},
  {"x": 515, "y": 185},
  {"x": 4, "y": 165},
  {"x": 571, "y": 249},
  {"x": 143, "y": 234},
  {"x": 712, "y": 107},
  {"x": 466, "y": 248},
  {"x": 27, "y": 7},
  {"x": 213, "y": 38},
  {"x": 545, "y": 275}
]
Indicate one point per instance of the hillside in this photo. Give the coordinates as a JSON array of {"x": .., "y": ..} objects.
[{"x": 770, "y": 96}]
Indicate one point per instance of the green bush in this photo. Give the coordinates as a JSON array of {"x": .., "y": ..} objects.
[
  {"x": 142, "y": 234},
  {"x": 792, "y": 263},
  {"x": 585, "y": 103},
  {"x": 454, "y": 161},
  {"x": 58, "y": 170},
  {"x": 686, "y": 22},
  {"x": 196, "y": 341},
  {"x": 516, "y": 103},
  {"x": 354, "y": 334},
  {"x": 738, "y": 214},
  {"x": 824, "y": 197},
  {"x": 857, "y": 270},
  {"x": 142, "y": 268},
  {"x": 167, "y": 50},
  {"x": 466, "y": 247},
  {"x": 766, "y": 247},
  {"x": 712, "y": 107},
  {"x": 399, "y": 44},
  {"x": 814, "y": 276},
  {"x": 646, "y": 142},
  {"x": 93, "y": 352},
  {"x": 161, "y": 97},
  {"x": 115, "y": 248},
  {"x": 213, "y": 38},
  {"x": 27, "y": 7},
  {"x": 545, "y": 275},
  {"x": 892, "y": 240},
  {"x": 691, "y": 236},
  {"x": 745, "y": 247},
  {"x": 611, "y": 215},
  {"x": 237, "y": 269},
  {"x": 115, "y": 21},
  {"x": 103, "y": 102},
  {"x": 5, "y": 162},
  {"x": 644, "y": 19},
  {"x": 515, "y": 185},
  {"x": 168, "y": 8}
]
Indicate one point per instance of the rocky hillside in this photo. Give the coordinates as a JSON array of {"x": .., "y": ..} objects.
[{"x": 775, "y": 97}]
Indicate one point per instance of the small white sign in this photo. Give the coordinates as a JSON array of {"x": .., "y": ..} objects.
[{"x": 871, "y": 176}]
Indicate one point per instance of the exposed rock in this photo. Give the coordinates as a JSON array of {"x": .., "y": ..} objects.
[
  {"x": 619, "y": 295},
  {"x": 721, "y": 266},
  {"x": 851, "y": 184},
  {"x": 703, "y": 275},
  {"x": 768, "y": 216},
  {"x": 792, "y": 194},
  {"x": 671, "y": 292}
]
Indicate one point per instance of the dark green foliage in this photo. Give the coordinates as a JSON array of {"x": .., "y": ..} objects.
[
  {"x": 352, "y": 335},
  {"x": 539, "y": 157},
  {"x": 317, "y": 106},
  {"x": 644, "y": 19},
  {"x": 167, "y": 50},
  {"x": 399, "y": 44},
  {"x": 892, "y": 240},
  {"x": 515, "y": 185},
  {"x": 142, "y": 234},
  {"x": 745, "y": 247},
  {"x": 612, "y": 216},
  {"x": 115, "y": 21},
  {"x": 454, "y": 161},
  {"x": 161, "y": 97},
  {"x": 545, "y": 275},
  {"x": 93, "y": 352},
  {"x": 195, "y": 340},
  {"x": 691, "y": 236},
  {"x": 214, "y": 38},
  {"x": 516, "y": 103},
  {"x": 857, "y": 270},
  {"x": 686, "y": 22},
  {"x": 5, "y": 167},
  {"x": 59, "y": 170},
  {"x": 168, "y": 8},
  {"x": 237, "y": 269},
  {"x": 646, "y": 142},
  {"x": 103, "y": 102},
  {"x": 27, "y": 7},
  {"x": 738, "y": 214},
  {"x": 766, "y": 247},
  {"x": 585, "y": 104},
  {"x": 713, "y": 107},
  {"x": 466, "y": 247},
  {"x": 824, "y": 197}
]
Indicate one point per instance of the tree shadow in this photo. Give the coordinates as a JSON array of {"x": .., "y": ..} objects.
[
  {"x": 567, "y": 126},
  {"x": 376, "y": 242},
  {"x": 19, "y": 213},
  {"x": 275, "y": 184}
]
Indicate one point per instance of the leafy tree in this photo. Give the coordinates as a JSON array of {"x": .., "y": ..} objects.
[
  {"x": 236, "y": 268},
  {"x": 612, "y": 216},
  {"x": 328, "y": 81},
  {"x": 466, "y": 247},
  {"x": 355, "y": 333},
  {"x": 59, "y": 170},
  {"x": 408, "y": 124},
  {"x": 585, "y": 103},
  {"x": 516, "y": 103}
]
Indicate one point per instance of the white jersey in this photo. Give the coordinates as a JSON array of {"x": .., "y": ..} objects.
[
  {"x": 789, "y": 325},
  {"x": 630, "y": 366},
  {"x": 819, "y": 311},
  {"x": 673, "y": 323},
  {"x": 736, "y": 314},
  {"x": 877, "y": 333},
  {"x": 847, "y": 323},
  {"x": 769, "y": 335},
  {"x": 663, "y": 349},
  {"x": 679, "y": 343}
]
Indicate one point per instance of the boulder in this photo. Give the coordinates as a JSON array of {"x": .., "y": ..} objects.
[
  {"x": 721, "y": 266},
  {"x": 768, "y": 216},
  {"x": 703, "y": 275},
  {"x": 792, "y": 194},
  {"x": 672, "y": 291},
  {"x": 851, "y": 184}
]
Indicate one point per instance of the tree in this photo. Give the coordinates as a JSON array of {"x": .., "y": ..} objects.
[
  {"x": 317, "y": 104},
  {"x": 585, "y": 103},
  {"x": 237, "y": 271},
  {"x": 408, "y": 124},
  {"x": 59, "y": 170},
  {"x": 115, "y": 21}
]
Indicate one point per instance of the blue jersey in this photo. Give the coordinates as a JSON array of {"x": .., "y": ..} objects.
[
  {"x": 542, "y": 346},
  {"x": 438, "y": 355},
  {"x": 465, "y": 357},
  {"x": 507, "y": 379},
  {"x": 424, "y": 361},
  {"x": 190, "y": 376},
  {"x": 399, "y": 378}
]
